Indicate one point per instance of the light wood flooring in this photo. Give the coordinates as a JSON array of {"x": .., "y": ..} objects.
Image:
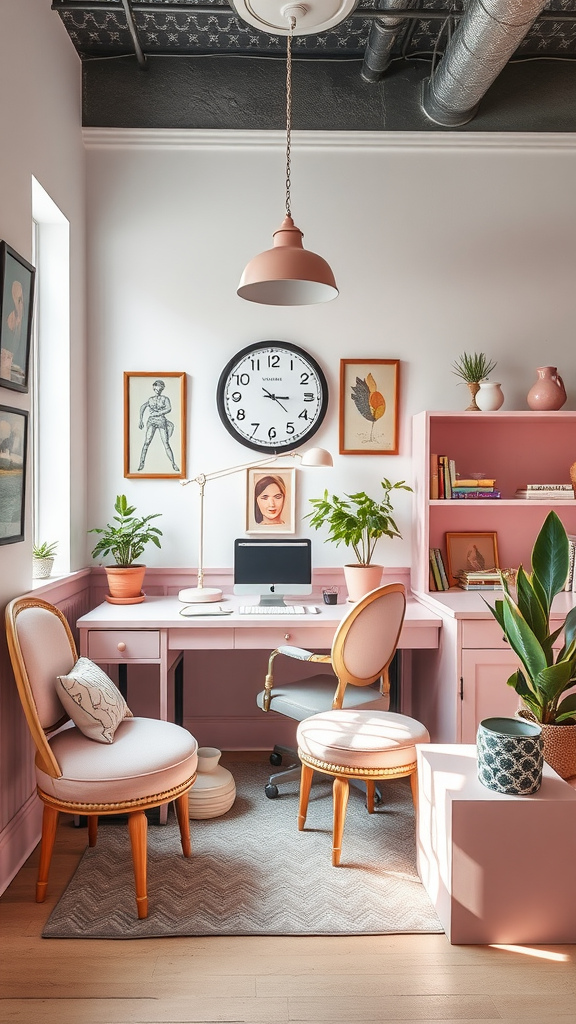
[{"x": 356, "y": 979}]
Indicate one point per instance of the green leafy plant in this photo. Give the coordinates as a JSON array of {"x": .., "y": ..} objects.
[
  {"x": 126, "y": 540},
  {"x": 545, "y": 675},
  {"x": 357, "y": 520},
  {"x": 473, "y": 368},
  {"x": 44, "y": 550}
]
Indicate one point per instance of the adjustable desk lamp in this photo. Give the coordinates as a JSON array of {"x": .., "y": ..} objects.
[{"x": 201, "y": 594}]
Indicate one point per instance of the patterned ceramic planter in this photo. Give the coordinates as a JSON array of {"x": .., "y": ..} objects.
[
  {"x": 510, "y": 755},
  {"x": 41, "y": 568}
]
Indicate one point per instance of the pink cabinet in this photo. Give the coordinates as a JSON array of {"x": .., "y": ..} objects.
[{"x": 483, "y": 689}]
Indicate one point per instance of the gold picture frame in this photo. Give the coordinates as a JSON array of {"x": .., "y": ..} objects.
[
  {"x": 155, "y": 426},
  {"x": 473, "y": 552},
  {"x": 369, "y": 413}
]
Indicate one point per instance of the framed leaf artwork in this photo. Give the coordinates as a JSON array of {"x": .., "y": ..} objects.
[{"x": 369, "y": 390}]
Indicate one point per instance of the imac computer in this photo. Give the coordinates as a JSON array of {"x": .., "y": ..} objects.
[{"x": 273, "y": 568}]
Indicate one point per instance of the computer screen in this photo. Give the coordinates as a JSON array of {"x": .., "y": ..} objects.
[{"x": 273, "y": 568}]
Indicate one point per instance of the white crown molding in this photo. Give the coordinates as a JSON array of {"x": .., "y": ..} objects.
[{"x": 198, "y": 138}]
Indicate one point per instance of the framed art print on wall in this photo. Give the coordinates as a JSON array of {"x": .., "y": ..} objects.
[
  {"x": 155, "y": 425},
  {"x": 369, "y": 394},
  {"x": 270, "y": 500},
  {"x": 470, "y": 552},
  {"x": 16, "y": 311},
  {"x": 13, "y": 451}
]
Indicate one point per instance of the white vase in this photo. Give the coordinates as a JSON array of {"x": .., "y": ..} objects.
[
  {"x": 489, "y": 397},
  {"x": 214, "y": 790},
  {"x": 41, "y": 568},
  {"x": 361, "y": 579}
]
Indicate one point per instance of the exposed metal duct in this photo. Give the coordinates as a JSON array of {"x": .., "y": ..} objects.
[
  {"x": 383, "y": 35},
  {"x": 486, "y": 38}
]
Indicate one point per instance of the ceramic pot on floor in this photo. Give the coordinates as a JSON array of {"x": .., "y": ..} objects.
[{"x": 214, "y": 790}]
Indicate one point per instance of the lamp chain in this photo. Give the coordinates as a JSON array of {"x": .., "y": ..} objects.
[{"x": 292, "y": 24}]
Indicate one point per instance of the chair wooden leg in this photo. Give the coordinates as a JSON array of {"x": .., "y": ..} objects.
[
  {"x": 370, "y": 795},
  {"x": 49, "y": 826},
  {"x": 184, "y": 823},
  {"x": 305, "y": 784},
  {"x": 138, "y": 828},
  {"x": 414, "y": 788},
  {"x": 341, "y": 789},
  {"x": 92, "y": 829}
]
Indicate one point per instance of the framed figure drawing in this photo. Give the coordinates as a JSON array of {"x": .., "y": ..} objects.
[
  {"x": 13, "y": 449},
  {"x": 470, "y": 552},
  {"x": 270, "y": 500},
  {"x": 369, "y": 390},
  {"x": 16, "y": 311},
  {"x": 155, "y": 425}
]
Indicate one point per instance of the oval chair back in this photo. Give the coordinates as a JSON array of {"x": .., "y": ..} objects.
[{"x": 366, "y": 639}]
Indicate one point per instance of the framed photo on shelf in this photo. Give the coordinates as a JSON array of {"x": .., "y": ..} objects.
[
  {"x": 155, "y": 426},
  {"x": 270, "y": 500},
  {"x": 16, "y": 312},
  {"x": 13, "y": 452},
  {"x": 369, "y": 414},
  {"x": 472, "y": 552}
]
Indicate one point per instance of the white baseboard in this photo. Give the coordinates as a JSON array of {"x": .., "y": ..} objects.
[{"x": 18, "y": 839}]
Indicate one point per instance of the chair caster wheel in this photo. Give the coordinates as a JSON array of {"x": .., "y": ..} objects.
[
  {"x": 271, "y": 791},
  {"x": 276, "y": 759}
]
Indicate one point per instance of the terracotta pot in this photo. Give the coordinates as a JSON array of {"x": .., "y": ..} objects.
[
  {"x": 125, "y": 583},
  {"x": 559, "y": 745},
  {"x": 361, "y": 579},
  {"x": 548, "y": 393}
]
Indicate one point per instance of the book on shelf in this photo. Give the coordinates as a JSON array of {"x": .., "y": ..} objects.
[
  {"x": 435, "y": 570},
  {"x": 484, "y": 484},
  {"x": 470, "y": 492},
  {"x": 485, "y": 579},
  {"x": 545, "y": 495},
  {"x": 480, "y": 586},
  {"x": 445, "y": 482},
  {"x": 468, "y": 488},
  {"x": 549, "y": 487},
  {"x": 433, "y": 477},
  {"x": 442, "y": 568}
]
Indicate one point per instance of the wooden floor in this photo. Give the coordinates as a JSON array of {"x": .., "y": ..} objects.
[{"x": 366, "y": 979}]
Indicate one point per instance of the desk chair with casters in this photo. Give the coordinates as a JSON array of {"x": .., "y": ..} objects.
[
  {"x": 148, "y": 762},
  {"x": 362, "y": 651}
]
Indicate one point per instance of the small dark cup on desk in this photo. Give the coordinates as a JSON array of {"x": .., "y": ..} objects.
[{"x": 330, "y": 595}]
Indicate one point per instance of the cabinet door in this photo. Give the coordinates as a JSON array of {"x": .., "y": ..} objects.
[{"x": 484, "y": 690}]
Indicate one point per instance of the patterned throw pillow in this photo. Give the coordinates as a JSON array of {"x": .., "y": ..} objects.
[{"x": 92, "y": 700}]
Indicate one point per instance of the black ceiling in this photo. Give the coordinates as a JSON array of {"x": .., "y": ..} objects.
[{"x": 157, "y": 79}]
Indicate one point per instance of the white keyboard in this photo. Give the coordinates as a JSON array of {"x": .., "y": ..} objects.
[{"x": 266, "y": 609}]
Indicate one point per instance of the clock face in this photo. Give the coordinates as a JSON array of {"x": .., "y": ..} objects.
[{"x": 272, "y": 397}]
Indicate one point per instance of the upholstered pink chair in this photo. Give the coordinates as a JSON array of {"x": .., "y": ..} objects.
[
  {"x": 356, "y": 739},
  {"x": 148, "y": 763}
]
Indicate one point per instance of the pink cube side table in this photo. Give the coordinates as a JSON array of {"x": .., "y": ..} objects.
[{"x": 497, "y": 868}]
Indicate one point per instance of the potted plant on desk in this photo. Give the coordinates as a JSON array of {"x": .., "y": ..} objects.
[
  {"x": 358, "y": 521},
  {"x": 545, "y": 675},
  {"x": 125, "y": 539}
]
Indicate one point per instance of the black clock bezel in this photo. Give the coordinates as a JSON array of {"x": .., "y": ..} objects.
[{"x": 290, "y": 446}]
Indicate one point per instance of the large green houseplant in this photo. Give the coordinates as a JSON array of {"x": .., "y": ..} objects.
[
  {"x": 545, "y": 674},
  {"x": 358, "y": 522},
  {"x": 125, "y": 539}
]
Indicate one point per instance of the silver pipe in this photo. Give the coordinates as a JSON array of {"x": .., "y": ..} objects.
[
  {"x": 487, "y": 36},
  {"x": 383, "y": 34},
  {"x": 140, "y": 57}
]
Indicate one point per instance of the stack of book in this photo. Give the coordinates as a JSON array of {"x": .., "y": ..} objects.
[
  {"x": 546, "y": 492},
  {"x": 486, "y": 579},
  {"x": 438, "y": 574},
  {"x": 475, "y": 489},
  {"x": 571, "y": 577},
  {"x": 445, "y": 484}
]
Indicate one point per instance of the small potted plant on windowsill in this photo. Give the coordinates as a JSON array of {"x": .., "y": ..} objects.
[
  {"x": 545, "y": 674},
  {"x": 43, "y": 559},
  {"x": 125, "y": 539},
  {"x": 358, "y": 521}
]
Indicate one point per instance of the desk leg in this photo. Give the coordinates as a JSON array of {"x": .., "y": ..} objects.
[
  {"x": 123, "y": 680},
  {"x": 179, "y": 691},
  {"x": 395, "y": 676}
]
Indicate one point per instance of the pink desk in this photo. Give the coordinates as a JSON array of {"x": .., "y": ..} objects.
[{"x": 497, "y": 868}]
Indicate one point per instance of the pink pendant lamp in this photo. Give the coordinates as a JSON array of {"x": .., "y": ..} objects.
[{"x": 288, "y": 274}]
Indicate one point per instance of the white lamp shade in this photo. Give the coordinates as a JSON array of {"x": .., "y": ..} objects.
[
  {"x": 288, "y": 274},
  {"x": 317, "y": 457}
]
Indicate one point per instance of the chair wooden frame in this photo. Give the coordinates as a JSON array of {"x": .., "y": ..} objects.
[{"x": 47, "y": 762}]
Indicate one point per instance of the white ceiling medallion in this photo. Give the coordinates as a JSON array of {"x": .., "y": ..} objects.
[{"x": 311, "y": 17}]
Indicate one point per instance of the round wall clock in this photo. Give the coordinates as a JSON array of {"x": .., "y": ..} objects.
[{"x": 272, "y": 397}]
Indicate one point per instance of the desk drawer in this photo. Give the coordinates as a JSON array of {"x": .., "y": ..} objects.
[
  {"x": 269, "y": 637},
  {"x": 193, "y": 639},
  {"x": 123, "y": 644}
]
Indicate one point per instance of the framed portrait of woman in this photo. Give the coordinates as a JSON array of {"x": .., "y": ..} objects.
[
  {"x": 16, "y": 310},
  {"x": 270, "y": 500},
  {"x": 155, "y": 425}
]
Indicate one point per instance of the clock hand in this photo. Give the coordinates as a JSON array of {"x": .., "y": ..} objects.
[{"x": 280, "y": 403}]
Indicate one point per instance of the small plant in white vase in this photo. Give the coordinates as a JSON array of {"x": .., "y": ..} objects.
[
  {"x": 43, "y": 559},
  {"x": 358, "y": 521}
]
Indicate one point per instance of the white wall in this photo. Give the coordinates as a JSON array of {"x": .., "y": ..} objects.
[
  {"x": 40, "y": 133},
  {"x": 440, "y": 244}
]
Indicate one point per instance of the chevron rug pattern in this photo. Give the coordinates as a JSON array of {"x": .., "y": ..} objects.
[{"x": 252, "y": 872}]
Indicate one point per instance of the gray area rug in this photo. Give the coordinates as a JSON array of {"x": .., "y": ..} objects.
[{"x": 252, "y": 872}]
